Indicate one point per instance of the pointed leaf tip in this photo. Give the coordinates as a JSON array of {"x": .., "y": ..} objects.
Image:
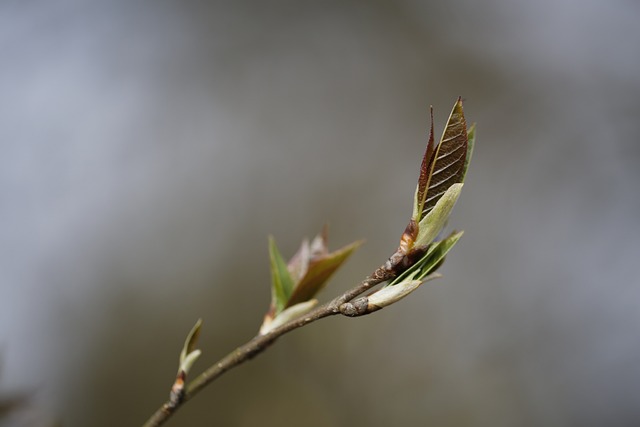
[
  {"x": 281, "y": 281},
  {"x": 189, "y": 353},
  {"x": 425, "y": 173},
  {"x": 447, "y": 167},
  {"x": 471, "y": 141},
  {"x": 437, "y": 253},
  {"x": 321, "y": 268},
  {"x": 191, "y": 341},
  {"x": 306, "y": 273}
]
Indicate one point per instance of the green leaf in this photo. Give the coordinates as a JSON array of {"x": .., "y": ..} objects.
[
  {"x": 390, "y": 294},
  {"x": 286, "y": 315},
  {"x": 436, "y": 253},
  {"x": 189, "y": 354},
  {"x": 430, "y": 261},
  {"x": 471, "y": 138},
  {"x": 281, "y": 282},
  {"x": 318, "y": 273},
  {"x": 189, "y": 361},
  {"x": 192, "y": 340},
  {"x": 446, "y": 166},
  {"x": 431, "y": 224}
]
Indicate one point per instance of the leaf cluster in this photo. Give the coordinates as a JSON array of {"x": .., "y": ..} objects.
[{"x": 294, "y": 284}]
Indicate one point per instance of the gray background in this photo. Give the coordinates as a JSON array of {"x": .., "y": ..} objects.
[{"x": 149, "y": 148}]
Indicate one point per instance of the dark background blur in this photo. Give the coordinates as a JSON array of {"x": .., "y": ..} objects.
[{"x": 149, "y": 148}]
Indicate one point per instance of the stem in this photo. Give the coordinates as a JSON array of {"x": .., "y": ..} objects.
[{"x": 260, "y": 343}]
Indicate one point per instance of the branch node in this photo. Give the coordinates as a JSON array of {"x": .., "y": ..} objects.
[
  {"x": 176, "y": 396},
  {"x": 357, "y": 307}
]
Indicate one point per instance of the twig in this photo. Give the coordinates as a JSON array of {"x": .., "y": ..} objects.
[
  {"x": 260, "y": 343},
  {"x": 415, "y": 261}
]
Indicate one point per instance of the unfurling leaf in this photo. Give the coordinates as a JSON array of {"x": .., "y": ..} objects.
[
  {"x": 432, "y": 224},
  {"x": 425, "y": 175},
  {"x": 408, "y": 281},
  {"x": 281, "y": 282},
  {"x": 287, "y": 314},
  {"x": 307, "y": 272},
  {"x": 320, "y": 269},
  {"x": 418, "y": 239},
  {"x": 189, "y": 354},
  {"x": 471, "y": 141},
  {"x": 390, "y": 294},
  {"x": 430, "y": 261},
  {"x": 449, "y": 158},
  {"x": 189, "y": 361},
  {"x": 443, "y": 166},
  {"x": 437, "y": 252}
]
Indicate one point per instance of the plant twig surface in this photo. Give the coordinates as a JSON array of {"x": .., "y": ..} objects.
[
  {"x": 260, "y": 343},
  {"x": 294, "y": 284}
]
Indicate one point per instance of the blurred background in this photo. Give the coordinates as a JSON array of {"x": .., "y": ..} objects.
[{"x": 149, "y": 148}]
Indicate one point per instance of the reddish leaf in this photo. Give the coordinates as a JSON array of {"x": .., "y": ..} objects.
[
  {"x": 448, "y": 164},
  {"x": 320, "y": 269},
  {"x": 425, "y": 169}
]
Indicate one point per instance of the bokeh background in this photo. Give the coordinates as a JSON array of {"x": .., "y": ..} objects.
[{"x": 149, "y": 148}]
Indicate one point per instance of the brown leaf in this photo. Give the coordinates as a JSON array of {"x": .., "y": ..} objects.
[
  {"x": 447, "y": 164},
  {"x": 299, "y": 263},
  {"x": 425, "y": 169},
  {"x": 320, "y": 269}
]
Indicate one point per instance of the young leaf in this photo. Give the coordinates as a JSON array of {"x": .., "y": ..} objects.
[
  {"x": 471, "y": 138},
  {"x": 431, "y": 224},
  {"x": 192, "y": 340},
  {"x": 286, "y": 315},
  {"x": 430, "y": 261},
  {"x": 189, "y": 354},
  {"x": 425, "y": 172},
  {"x": 281, "y": 282},
  {"x": 390, "y": 294},
  {"x": 319, "y": 271},
  {"x": 189, "y": 361},
  {"x": 297, "y": 282},
  {"x": 447, "y": 165},
  {"x": 299, "y": 263},
  {"x": 436, "y": 253}
]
